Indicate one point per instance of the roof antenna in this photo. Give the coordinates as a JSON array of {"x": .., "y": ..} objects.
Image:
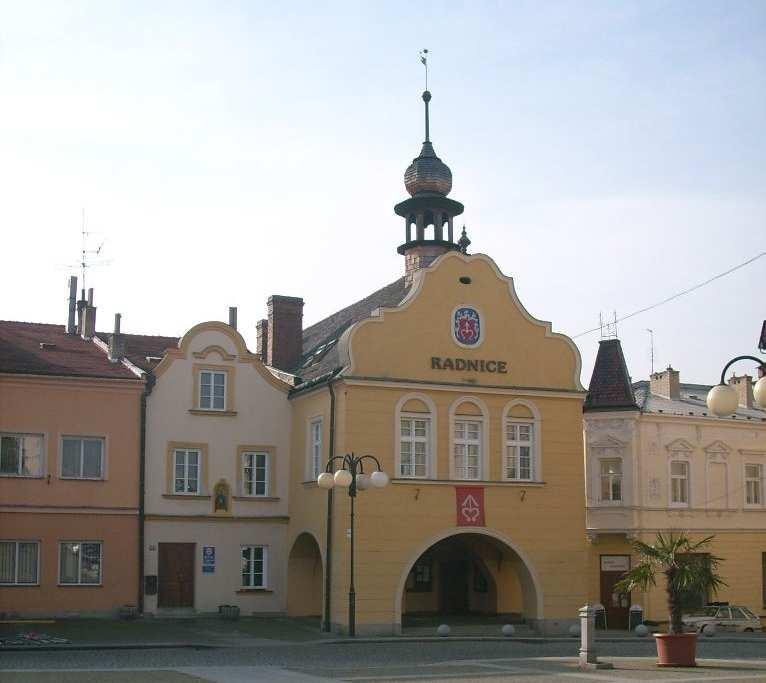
[
  {"x": 651, "y": 346},
  {"x": 608, "y": 327},
  {"x": 84, "y": 252}
]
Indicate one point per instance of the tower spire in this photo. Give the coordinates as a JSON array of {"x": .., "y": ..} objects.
[{"x": 427, "y": 99}]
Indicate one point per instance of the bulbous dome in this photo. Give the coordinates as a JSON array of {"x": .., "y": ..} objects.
[{"x": 428, "y": 173}]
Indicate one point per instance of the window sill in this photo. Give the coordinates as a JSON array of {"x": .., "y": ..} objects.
[
  {"x": 186, "y": 496},
  {"x": 19, "y": 585},
  {"x": 213, "y": 413},
  {"x": 467, "y": 482},
  {"x": 256, "y": 499},
  {"x": 80, "y": 585},
  {"x": 255, "y": 590},
  {"x": 82, "y": 478},
  {"x": 22, "y": 476}
]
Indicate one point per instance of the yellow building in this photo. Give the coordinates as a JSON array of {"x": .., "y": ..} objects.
[
  {"x": 657, "y": 460},
  {"x": 474, "y": 409}
]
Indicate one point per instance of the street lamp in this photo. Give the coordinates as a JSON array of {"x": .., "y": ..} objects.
[
  {"x": 353, "y": 477},
  {"x": 722, "y": 399}
]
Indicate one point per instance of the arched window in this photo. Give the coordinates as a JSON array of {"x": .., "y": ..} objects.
[
  {"x": 522, "y": 459},
  {"x": 469, "y": 439},
  {"x": 415, "y": 437}
]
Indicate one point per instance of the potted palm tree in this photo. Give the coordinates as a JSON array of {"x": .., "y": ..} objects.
[{"x": 687, "y": 569}]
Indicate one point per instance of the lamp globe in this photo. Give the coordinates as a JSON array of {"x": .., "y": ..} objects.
[
  {"x": 759, "y": 392},
  {"x": 379, "y": 479},
  {"x": 722, "y": 400},
  {"x": 362, "y": 481},
  {"x": 325, "y": 480},
  {"x": 343, "y": 478}
]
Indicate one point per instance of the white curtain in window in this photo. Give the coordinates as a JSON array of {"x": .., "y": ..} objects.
[
  {"x": 91, "y": 459},
  {"x": 33, "y": 456},
  {"x": 70, "y": 461},
  {"x": 27, "y": 563},
  {"x": 70, "y": 559}
]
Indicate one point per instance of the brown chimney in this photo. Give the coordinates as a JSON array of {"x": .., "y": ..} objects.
[
  {"x": 81, "y": 304},
  {"x": 262, "y": 339},
  {"x": 71, "y": 327},
  {"x": 116, "y": 342},
  {"x": 285, "y": 338},
  {"x": 744, "y": 387},
  {"x": 666, "y": 383},
  {"x": 89, "y": 318},
  {"x": 233, "y": 317}
]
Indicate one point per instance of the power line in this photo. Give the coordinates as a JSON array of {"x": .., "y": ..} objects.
[{"x": 679, "y": 294}]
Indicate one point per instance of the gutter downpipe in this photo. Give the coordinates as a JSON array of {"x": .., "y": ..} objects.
[
  {"x": 150, "y": 379},
  {"x": 326, "y": 626}
]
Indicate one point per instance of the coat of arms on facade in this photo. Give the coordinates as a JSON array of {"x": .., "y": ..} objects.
[{"x": 466, "y": 326}]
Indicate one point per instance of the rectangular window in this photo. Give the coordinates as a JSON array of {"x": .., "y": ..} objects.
[
  {"x": 315, "y": 449},
  {"x": 212, "y": 390},
  {"x": 611, "y": 480},
  {"x": 186, "y": 462},
  {"x": 253, "y": 566},
  {"x": 467, "y": 441},
  {"x": 753, "y": 484},
  {"x": 679, "y": 482},
  {"x": 413, "y": 443},
  {"x": 19, "y": 563},
  {"x": 255, "y": 474},
  {"x": 420, "y": 579},
  {"x": 21, "y": 455},
  {"x": 82, "y": 458},
  {"x": 519, "y": 460},
  {"x": 80, "y": 563}
]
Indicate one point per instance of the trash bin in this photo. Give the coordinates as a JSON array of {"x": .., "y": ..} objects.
[
  {"x": 636, "y": 616},
  {"x": 229, "y": 611},
  {"x": 599, "y": 616}
]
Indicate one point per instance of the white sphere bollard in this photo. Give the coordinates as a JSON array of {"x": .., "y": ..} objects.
[
  {"x": 641, "y": 631},
  {"x": 443, "y": 630},
  {"x": 709, "y": 630},
  {"x": 574, "y": 630},
  {"x": 508, "y": 630}
]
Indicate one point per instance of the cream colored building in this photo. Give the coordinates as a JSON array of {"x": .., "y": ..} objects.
[
  {"x": 217, "y": 454},
  {"x": 656, "y": 460}
]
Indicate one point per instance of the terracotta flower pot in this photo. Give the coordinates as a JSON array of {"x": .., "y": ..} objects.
[{"x": 676, "y": 649}]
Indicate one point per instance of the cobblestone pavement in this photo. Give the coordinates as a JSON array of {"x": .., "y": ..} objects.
[{"x": 399, "y": 661}]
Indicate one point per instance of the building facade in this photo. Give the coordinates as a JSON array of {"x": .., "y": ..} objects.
[
  {"x": 474, "y": 409},
  {"x": 69, "y": 472},
  {"x": 658, "y": 461},
  {"x": 217, "y": 454}
]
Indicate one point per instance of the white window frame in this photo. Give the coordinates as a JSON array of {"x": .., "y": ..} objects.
[
  {"x": 621, "y": 477},
  {"x": 536, "y": 464},
  {"x": 672, "y": 477},
  {"x": 266, "y": 473},
  {"x": 518, "y": 444},
  {"x": 315, "y": 452},
  {"x": 466, "y": 441},
  {"x": 482, "y": 418},
  {"x": 16, "y": 581},
  {"x": 79, "y": 581},
  {"x": 431, "y": 415},
  {"x": 758, "y": 484},
  {"x": 212, "y": 374},
  {"x": 82, "y": 439},
  {"x": 412, "y": 439},
  {"x": 20, "y": 472},
  {"x": 265, "y": 560},
  {"x": 186, "y": 452}
]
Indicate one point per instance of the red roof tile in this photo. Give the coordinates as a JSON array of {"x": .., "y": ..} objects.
[{"x": 42, "y": 349}]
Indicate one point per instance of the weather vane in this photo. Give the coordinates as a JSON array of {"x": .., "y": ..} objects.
[{"x": 424, "y": 62}]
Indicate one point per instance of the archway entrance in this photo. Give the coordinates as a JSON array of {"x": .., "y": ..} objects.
[
  {"x": 467, "y": 578},
  {"x": 304, "y": 578}
]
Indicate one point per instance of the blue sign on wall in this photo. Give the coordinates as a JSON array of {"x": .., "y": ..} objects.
[{"x": 208, "y": 559}]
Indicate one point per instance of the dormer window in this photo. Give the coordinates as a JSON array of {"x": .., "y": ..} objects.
[{"x": 212, "y": 390}]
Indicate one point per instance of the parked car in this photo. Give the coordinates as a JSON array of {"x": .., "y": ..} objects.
[{"x": 727, "y": 618}]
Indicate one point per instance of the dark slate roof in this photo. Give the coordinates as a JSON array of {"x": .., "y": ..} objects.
[
  {"x": 43, "y": 349},
  {"x": 610, "y": 387},
  {"x": 691, "y": 401},
  {"x": 320, "y": 341},
  {"x": 144, "y": 350}
]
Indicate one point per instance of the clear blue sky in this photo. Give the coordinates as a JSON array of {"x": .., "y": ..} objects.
[{"x": 608, "y": 155}]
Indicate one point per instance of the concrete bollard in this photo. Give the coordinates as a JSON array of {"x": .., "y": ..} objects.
[
  {"x": 588, "y": 656},
  {"x": 508, "y": 630},
  {"x": 641, "y": 631},
  {"x": 709, "y": 630},
  {"x": 443, "y": 630}
]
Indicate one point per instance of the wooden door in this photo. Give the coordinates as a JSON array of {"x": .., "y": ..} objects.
[
  {"x": 176, "y": 575},
  {"x": 453, "y": 578},
  {"x": 616, "y": 605}
]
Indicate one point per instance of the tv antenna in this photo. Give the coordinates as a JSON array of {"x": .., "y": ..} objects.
[
  {"x": 608, "y": 327},
  {"x": 86, "y": 261},
  {"x": 651, "y": 347}
]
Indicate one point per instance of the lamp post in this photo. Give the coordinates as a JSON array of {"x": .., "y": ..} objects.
[
  {"x": 722, "y": 400},
  {"x": 352, "y": 476}
]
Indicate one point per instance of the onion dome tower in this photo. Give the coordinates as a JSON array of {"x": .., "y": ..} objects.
[{"x": 428, "y": 180}]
